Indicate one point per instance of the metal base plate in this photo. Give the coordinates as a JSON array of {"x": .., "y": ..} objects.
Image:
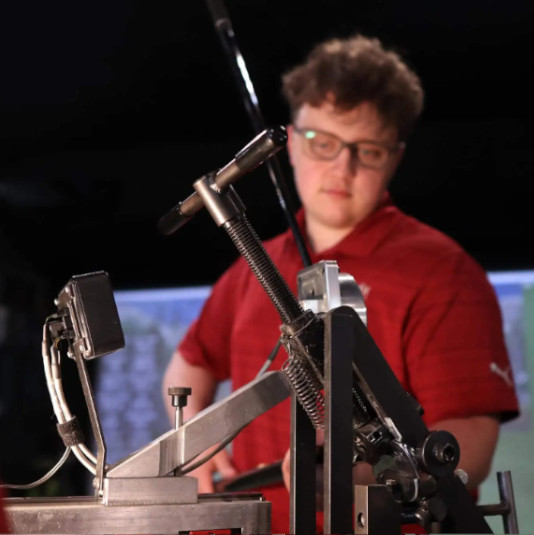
[{"x": 248, "y": 514}]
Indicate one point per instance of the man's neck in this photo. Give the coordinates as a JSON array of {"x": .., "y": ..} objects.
[{"x": 322, "y": 238}]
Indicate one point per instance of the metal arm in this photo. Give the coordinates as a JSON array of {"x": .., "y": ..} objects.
[{"x": 179, "y": 446}]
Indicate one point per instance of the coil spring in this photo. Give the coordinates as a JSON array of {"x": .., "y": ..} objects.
[
  {"x": 307, "y": 388},
  {"x": 360, "y": 410},
  {"x": 250, "y": 247}
]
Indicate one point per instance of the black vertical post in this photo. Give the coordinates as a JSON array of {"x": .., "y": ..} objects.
[
  {"x": 302, "y": 485},
  {"x": 338, "y": 485}
]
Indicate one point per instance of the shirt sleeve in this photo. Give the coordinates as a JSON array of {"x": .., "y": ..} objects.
[
  {"x": 207, "y": 343},
  {"x": 456, "y": 356}
]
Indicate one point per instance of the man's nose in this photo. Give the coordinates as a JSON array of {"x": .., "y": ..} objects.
[{"x": 347, "y": 160}]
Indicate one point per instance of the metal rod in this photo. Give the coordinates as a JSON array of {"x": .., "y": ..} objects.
[
  {"x": 262, "y": 147},
  {"x": 95, "y": 423},
  {"x": 506, "y": 494}
]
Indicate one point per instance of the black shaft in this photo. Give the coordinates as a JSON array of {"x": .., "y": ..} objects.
[{"x": 223, "y": 25}]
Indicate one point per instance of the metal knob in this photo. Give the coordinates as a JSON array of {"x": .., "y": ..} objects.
[{"x": 179, "y": 395}]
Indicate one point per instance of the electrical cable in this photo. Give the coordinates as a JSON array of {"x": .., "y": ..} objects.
[
  {"x": 52, "y": 370},
  {"x": 220, "y": 447},
  {"x": 41, "y": 480},
  {"x": 83, "y": 449},
  {"x": 270, "y": 358}
]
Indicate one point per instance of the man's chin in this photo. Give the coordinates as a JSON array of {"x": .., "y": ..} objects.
[{"x": 339, "y": 223}]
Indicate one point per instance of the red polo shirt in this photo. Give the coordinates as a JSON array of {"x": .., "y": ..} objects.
[{"x": 431, "y": 311}]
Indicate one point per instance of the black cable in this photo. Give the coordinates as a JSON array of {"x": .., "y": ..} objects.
[
  {"x": 41, "y": 480},
  {"x": 270, "y": 358},
  {"x": 223, "y": 26},
  {"x": 206, "y": 458}
]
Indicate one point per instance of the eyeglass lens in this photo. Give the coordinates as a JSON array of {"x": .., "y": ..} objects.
[{"x": 325, "y": 146}]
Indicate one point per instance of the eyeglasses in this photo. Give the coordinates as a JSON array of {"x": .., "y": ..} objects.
[{"x": 320, "y": 145}]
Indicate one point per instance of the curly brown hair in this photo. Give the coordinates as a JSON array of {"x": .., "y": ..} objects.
[{"x": 350, "y": 71}]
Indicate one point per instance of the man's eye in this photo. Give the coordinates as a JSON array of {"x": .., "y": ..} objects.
[
  {"x": 324, "y": 144},
  {"x": 372, "y": 152}
]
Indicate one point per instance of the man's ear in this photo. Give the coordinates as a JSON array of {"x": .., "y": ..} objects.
[
  {"x": 290, "y": 141},
  {"x": 395, "y": 162},
  {"x": 400, "y": 154},
  {"x": 397, "y": 159}
]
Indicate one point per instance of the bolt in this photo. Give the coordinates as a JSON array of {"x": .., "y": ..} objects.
[
  {"x": 179, "y": 396},
  {"x": 444, "y": 453}
]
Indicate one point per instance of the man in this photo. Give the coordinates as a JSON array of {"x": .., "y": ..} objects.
[{"x": 431, "y": 310}]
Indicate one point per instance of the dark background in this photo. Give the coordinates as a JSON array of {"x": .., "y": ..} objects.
[{"x": 110, "y": 110}]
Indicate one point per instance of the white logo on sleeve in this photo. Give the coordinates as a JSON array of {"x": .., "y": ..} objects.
[
  {"x": 364, "y": 288},
  {"x": 505, "y": 375}
]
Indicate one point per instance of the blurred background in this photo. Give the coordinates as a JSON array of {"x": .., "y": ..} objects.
[{"x": 110, "y": 110}]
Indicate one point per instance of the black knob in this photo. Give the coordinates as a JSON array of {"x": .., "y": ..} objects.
[{"x": 179, "y": 395}]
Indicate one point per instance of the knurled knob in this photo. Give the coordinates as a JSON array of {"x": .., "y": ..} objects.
[{"x": 179, "y": 395}]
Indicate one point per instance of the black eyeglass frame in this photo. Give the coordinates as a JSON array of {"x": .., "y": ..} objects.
[{"x": 352, "y": 146}]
